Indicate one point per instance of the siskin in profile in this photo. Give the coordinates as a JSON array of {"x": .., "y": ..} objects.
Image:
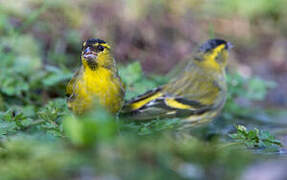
[
  {"x": 196, "y": 95},
  {"x": 97, "y": 81}
]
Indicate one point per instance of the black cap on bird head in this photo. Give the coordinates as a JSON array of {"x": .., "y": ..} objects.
[
  {"x": 213, "y": 43},
  {"x": 92, "y": 41}
]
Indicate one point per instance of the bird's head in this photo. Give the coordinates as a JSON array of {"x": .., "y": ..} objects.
[
  {"x": 96, "y": 52},
  {"x": 214, "y": 53}
]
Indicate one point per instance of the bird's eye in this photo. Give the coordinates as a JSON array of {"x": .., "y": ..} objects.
[{"x": 100, "y": 48}]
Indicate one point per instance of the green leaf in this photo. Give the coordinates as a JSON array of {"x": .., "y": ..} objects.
[
  {"x": 90, "y": 128},
  {"x": 256, "y": 139}
]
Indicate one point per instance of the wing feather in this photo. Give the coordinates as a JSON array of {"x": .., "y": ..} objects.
[
  {"x": 155, "y": 104},
  {"x": 70, "y": 85},
  {"x": 140, "y": 101}
]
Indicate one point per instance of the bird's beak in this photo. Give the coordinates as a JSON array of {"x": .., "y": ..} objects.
[{"x": 89, "y": 54}]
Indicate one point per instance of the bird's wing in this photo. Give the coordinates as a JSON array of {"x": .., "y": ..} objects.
[
  {"x": 157, "y": 104},
  {"x": 141, "y": 100},
  {"x": 70, "y": 85}
]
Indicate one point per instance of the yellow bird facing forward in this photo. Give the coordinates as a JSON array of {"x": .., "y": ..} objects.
[
  {"x": 197, "y": 94},
  {"x": 97, "y": 81}
]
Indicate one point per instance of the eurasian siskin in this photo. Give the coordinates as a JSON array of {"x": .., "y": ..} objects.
[
  {"x": 196, "y": 95},
  {"x": 97, "y": 81}
]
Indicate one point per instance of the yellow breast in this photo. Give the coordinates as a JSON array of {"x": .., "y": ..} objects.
[{"x": 97, "y": 86}]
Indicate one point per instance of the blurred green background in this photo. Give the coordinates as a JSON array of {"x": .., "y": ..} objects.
[{"x": 40, "y": 44}]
